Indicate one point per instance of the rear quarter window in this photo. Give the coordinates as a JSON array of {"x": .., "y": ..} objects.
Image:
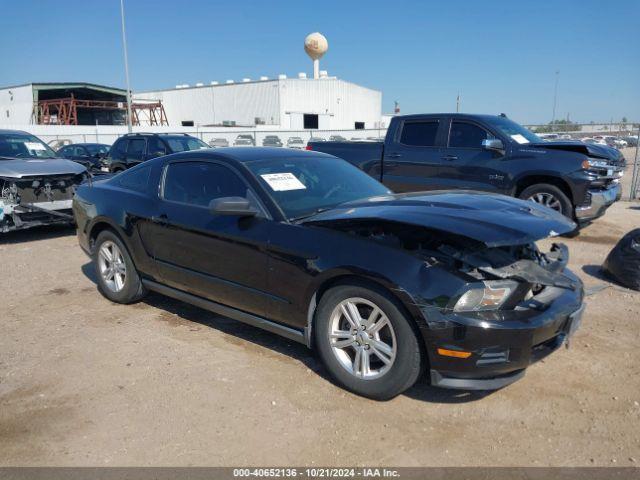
[{"x": 136, "y": 179}]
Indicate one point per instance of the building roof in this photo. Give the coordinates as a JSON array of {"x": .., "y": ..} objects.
[{"x": 59, "y": 85}]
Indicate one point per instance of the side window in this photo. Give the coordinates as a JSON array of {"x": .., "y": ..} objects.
[
  {"x": 197, "y": 183},
  {"x": 64, "y": 152},
  {"x": 156, "y": 147},
  {"x": 135, "y": 179},
  {"x": 467, "y": 135},
  {"x": 119, "y": 149},
  {"x": 81, "y": 152},
  {"x": 135, "y": 148},
  {"x": 419, "y": 134}
]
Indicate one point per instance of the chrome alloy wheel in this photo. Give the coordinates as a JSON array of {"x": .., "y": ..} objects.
[
  {"x": 112, "y": 267},
  {"x": 548, "y": 200},
  {"x": 362, "y": 338}
]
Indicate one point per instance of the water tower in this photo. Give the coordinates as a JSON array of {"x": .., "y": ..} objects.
[{"x": 316, "y": 46}]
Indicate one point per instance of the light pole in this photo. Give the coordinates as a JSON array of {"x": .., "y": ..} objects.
[
  {"x": 126, "y": 66},
  {"x": 555, "y": 101}
]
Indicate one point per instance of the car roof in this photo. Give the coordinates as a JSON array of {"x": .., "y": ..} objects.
[
  {"x": 453, "y": 115},
  {"x": 13, "y": 132},
  {"x": 243, "y": 154},
  {"x": 84, "y": 144}
]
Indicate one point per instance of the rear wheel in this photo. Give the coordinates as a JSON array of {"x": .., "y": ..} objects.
[
  {"x": 366, "y": 342},
  {"x": 118, "y": 279},
  {"x": 549, "y": 196}
]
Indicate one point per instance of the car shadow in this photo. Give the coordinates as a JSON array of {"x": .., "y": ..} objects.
[
  {"x": 426, "y": 393},
  {"x": 46, "y": 232},
  {"x": 240, "y": 332},
  {"x": 595, "y": 271}
]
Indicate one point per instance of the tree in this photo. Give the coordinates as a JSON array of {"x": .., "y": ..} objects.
[{"x": 558, "y": 126}]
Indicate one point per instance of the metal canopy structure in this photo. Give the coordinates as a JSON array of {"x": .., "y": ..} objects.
[{"x": 64, "y": 111}]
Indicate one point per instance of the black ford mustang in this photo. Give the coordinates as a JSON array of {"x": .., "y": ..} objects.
[{"x": 305, "y": 245}]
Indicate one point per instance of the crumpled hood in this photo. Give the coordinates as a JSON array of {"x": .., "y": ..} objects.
[
  {"x": 20, "y": 168},
  {"x": 590, "y": 149},
  {"x": 495, "y": 220}
]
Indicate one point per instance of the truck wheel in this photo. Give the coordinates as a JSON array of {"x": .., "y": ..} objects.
[
  {"x": 366, "y": 342},
  {"x": 550, "y": 196},
  {"x": 118, "y": 279}
]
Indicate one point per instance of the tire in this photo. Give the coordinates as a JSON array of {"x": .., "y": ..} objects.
[
  {"x": 382, "y": 380},
  {"x": 124, "y": 286},
  {"x": 549, "y": 196}
]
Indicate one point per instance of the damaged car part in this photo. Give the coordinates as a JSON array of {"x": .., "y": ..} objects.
[{"x": 35, "y": 187}]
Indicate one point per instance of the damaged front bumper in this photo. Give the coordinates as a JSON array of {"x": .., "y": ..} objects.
[
  {"x": 489, "y": 349},
  {"x": 502, "y": 345},
  {"x": 33, "y": 202},
  {"x": 600, "y": 201}
]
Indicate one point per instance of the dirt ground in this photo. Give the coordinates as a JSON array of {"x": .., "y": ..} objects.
[{"x": 87, "y": 382}]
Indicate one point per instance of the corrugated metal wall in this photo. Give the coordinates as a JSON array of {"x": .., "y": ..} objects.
[
  {"x": 16, "y": 105},
  {"x": 212, "y": 105},
  {"x": 339, "y": 104},
  {"x": 343, "y": 103}
]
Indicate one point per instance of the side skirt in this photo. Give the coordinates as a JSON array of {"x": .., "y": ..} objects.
[{"x": 254, "y": 320}]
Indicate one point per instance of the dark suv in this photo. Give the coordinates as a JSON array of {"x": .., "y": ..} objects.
[{"x": 135, "y": 148}]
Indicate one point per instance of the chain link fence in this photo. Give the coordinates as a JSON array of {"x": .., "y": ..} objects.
[{"x": 228, "y": 137}]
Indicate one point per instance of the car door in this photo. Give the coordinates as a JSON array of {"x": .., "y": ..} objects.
[
  {"x": 221, "y": 258},
  {"x": 135, "y": 151},
  {"x": 467, "y": 164},
  {"x": 411, "y": 162}
]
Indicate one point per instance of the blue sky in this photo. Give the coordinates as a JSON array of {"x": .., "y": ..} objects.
[{"x": 500, "y": 55}]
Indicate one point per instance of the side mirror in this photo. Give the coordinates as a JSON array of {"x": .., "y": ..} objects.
[
  {"x": 235, "y": 206},
  {"x": 493, "y": 144}
]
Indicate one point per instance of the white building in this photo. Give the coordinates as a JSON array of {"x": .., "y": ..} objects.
[
  {"x": 19, "y": 104},
  {"x": 326, "y": 103}
]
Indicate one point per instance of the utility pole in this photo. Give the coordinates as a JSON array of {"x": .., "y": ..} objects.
[
  {"x": 555, "y": 101},
  {"x": 126, "y": 66}
]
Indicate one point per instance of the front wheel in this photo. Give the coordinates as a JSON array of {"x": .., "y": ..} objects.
[
  {"x": 549, "y": 196},
  {"x": 366, "y": 342}
]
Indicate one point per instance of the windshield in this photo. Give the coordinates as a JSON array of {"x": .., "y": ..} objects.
[
  {"x": 181, "y": 144},
  {"x": 511, "y": 129},
  {"x": 18, "y": 145},
  {"x": 303, "y": 186},
  {"x": 96, "y": 149}
]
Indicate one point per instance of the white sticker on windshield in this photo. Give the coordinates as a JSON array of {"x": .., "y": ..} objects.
[
  {"x": 519, "y": 138},
  {"x": 281, "y": 182},
  {"x": 34, "y": 146}
]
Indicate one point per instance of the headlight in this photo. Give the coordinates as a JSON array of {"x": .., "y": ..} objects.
[
  {"x": 487, "y": 295},
  {"x": 592, "y": 162}
]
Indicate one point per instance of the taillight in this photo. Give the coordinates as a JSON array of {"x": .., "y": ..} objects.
[{"x": 308, "y": 147}]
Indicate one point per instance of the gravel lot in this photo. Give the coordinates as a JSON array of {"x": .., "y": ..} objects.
[{"x": 87, "y": 382}]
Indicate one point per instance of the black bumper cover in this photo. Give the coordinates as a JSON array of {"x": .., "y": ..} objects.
[{"x": 503, "y": 344}]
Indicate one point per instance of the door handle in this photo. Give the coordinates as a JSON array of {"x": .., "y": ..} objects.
[
  {"x": 450, "y": 157},
  {"x": 393, "y": 155},
  {"x": 160, "y": 219}
]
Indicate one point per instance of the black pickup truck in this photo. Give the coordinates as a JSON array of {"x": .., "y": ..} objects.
[{"x": 490, "y": 153}]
